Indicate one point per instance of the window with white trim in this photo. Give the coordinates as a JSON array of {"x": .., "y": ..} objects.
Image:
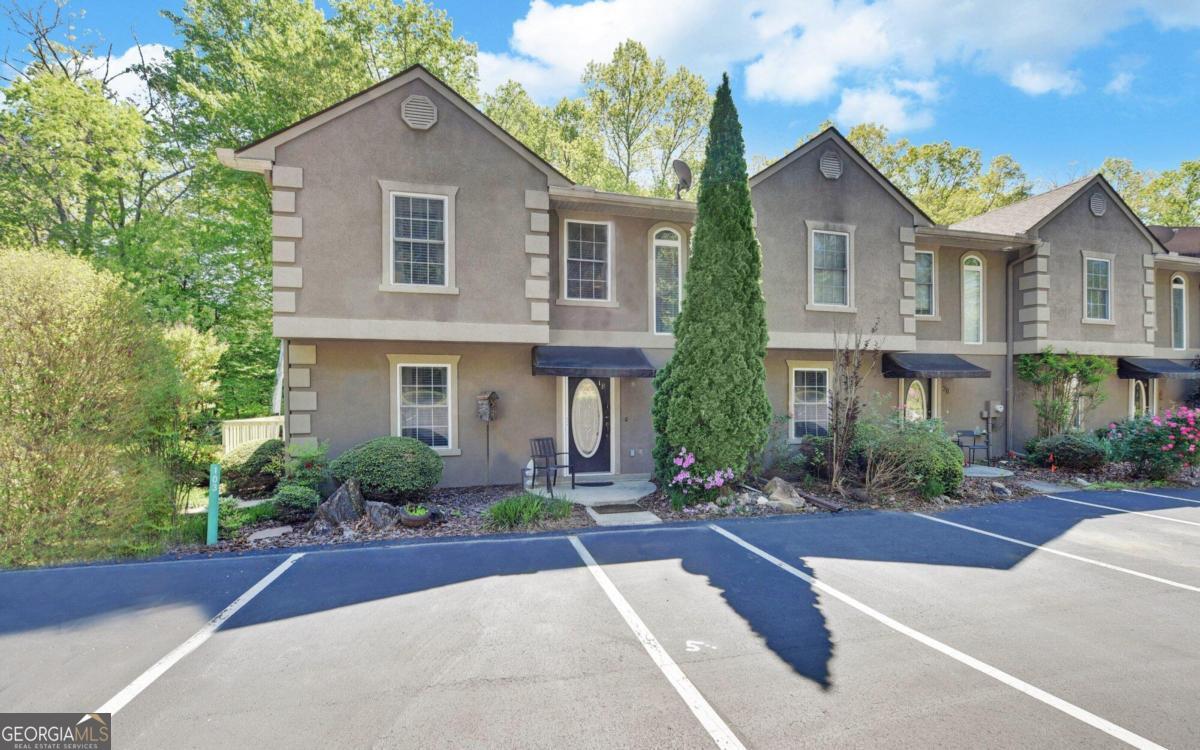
[
  {"x": 1178, "y": 312},
  {"x": 1097, "y": 273},
  {"x": 1139, "y": 398},
  {"x": 926, "y": 284},
  {"x": 668, "y": 279},
  {"x": 829, "y": 268},
  {"x": 418, "y": 239},
  {"x": 424, "y": 404},
  {"x": 972, "y": 299},
  {"x": 587, "y": 261},
  {"x": 809, "y": 402},
  {"x": 916, "y": 406}
]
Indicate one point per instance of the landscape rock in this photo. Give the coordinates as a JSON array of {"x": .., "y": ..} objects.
[
  {"x": 381, "y": 515},
  {"x": 1081, "y": 482},
  {"x": 344, "y": 506},
  {"x": 999, "y": 489},
  {"x": 270, "y": 533},
  {"x": 780, "y": 491},
  {"x": 858, "y": 494}
]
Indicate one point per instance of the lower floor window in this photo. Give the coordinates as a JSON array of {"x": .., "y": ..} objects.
[
  {"x": 425, "y": 404},
  {"x": 810, "y": 402},
  {"x": 1139, "y": 398}
]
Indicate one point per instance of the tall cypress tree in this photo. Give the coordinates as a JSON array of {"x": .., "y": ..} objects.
[{"x": 712, "y": 398}]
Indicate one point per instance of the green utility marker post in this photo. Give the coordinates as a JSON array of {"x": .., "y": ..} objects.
[{"x": 214, "y": 491}]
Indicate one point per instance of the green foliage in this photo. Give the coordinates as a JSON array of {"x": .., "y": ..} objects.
[
  {"x": 306, "y": 465},
  {"x": 523, "y": 510},
  {"x": 296, "y": 498},
  {"x": 253, "y": 469},
  {"x": 896, "y": 455},
  {"x": 1171, "y": 197},
  {"x": 713, "y": 395},
  {"x": 390, "y": 469},
  {"x": 416, "y": 510},
  {"x": 1071, "y": 450},
  {"x": 1158, "y": 446},
  {"x": 88, "y": 388},
  {"x": 231, "y": 518},
  {"x": 186, "y": 445},
  {"x": 1066, "y": 387}
]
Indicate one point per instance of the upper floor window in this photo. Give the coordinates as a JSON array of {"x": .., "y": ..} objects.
[
  {"x": 829, "y": 267},
  {"x": 1097, "y": 273},
  {"x": 1178, "y": 312},
  {"x": 587, "y": 264},
  {"x": 668, "y": 279},
  {"x": 926, "y": 289},
  {"x": 418, "y": 239},
  {"x": 972, "y": 299}
]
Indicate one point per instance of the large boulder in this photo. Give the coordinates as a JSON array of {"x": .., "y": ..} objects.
[
  {"x": 780, "y": 491},
  {"x": 382, "y": 515},
  {"x": 344, "y": 506}
]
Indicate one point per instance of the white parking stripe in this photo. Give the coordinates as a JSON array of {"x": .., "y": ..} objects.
[
  {"x": 1060, "y": 553},
  {"x": 1125, "y": 510},
  {"x": 712, "y": 722},
  {"x": 1070, "y": 709},
  {"x": 145, "y": 679},
  {"x": 1169, "y": 497}
]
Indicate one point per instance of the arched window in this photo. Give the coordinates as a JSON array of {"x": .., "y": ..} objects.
[
  {"x": 666, "y": 247},
  {"x": 972, "y": 299},
  {"x": 915, "y": 405},
  {"x": 1139, "y": 400},
  {"x": 1178, "y": 312}
]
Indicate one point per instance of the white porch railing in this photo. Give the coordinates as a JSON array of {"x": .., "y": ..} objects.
[{"x": 235, "y": 432}]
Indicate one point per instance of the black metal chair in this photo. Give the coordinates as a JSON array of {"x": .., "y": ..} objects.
[
  {"x": 545, "y": 456},
  {"x": 968, "y": 440}
]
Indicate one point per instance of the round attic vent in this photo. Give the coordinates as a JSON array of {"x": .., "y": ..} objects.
[
  {"x": 1098, "y": 203},
  {"x": 419, "y": 112},
  {"x": 831, "y": 164}
]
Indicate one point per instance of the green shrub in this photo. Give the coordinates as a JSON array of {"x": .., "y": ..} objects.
[
  {"x": 296, "y": 498},
  {"x": 897, "y": 455},
  {"x": 231, "y": 518},
  {"x": 306, "y": 465},
  {"x": 525, "y": 509},
  {"x": 1141, "y": 442},
  {"x": 391, "y": 469},
  {"x": 253, "y": 469},
  {"x": 1070, "y": 450},
  {"x": 86, "y": 387}
]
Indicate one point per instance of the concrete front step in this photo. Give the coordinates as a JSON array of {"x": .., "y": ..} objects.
[{"x": 638, "y": 518}]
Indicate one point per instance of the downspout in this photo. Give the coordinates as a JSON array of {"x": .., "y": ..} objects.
[{"x": 1009, "y": 335}]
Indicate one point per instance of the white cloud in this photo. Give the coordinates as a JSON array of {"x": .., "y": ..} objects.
[
  {"x": 803, "y": 52},
  {"x": 122, "y": 81},
  {"x": 877, "y": 104},
  {"x": 1037, "y": 80},
  {"x": 1120, "y": 83},
  {"x": 1124, "y": 73}
]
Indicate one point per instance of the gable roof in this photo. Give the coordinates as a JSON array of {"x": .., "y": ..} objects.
[
  {"x": 264, "y": 148},
  {"x": 833, "y": 134},
  {"x": 1182, "y": 240},
  {"x": 1028, "y": 216}
]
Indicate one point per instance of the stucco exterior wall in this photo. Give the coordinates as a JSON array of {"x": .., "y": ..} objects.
[
  {"x": 1162, "y": 296},
  {"x": 1064, "y": 239},
  {"x": 946, "y": 324},
  {"x": 797, "y": 193},
  {"x": 341, "y": 221}
]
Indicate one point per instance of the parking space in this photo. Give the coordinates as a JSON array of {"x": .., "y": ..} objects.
[{"x": 1043, "y": 623}]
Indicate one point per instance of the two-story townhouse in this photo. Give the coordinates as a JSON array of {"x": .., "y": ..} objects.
[
  {"x": 424, "y": 258},
  {"x": 1177, "y": 295}
]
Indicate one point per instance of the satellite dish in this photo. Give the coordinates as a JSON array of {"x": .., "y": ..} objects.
[{"x": 684, "y": 173}]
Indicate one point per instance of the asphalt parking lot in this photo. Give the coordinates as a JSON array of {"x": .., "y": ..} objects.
[{"x": 1067, "y": 621}]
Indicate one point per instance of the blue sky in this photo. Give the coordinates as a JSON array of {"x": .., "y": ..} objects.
[{"x": 1059, "y": 84}]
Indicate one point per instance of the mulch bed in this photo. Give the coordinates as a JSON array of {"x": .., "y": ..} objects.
[{"x": 462, "y": 508}]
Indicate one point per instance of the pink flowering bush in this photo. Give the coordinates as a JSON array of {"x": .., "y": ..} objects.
[
  {"x": 1158, "y": 446},
  {"x": 691, "y": 484}
]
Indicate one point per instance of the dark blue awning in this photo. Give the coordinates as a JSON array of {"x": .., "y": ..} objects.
[
  {"x": 591, "y": 362},
  {"x": 1132, "y": 368},
  {"x": 930, "y": 365}
]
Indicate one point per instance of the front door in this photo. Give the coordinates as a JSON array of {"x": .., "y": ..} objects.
[{"x": 588, "y": 425}]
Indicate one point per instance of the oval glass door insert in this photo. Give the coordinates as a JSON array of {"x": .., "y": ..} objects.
[{"x": 587, "y": 418}]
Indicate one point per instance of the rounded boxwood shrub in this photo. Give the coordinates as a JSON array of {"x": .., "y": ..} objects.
[
  {"x": 1071, "y": 450},
  {"x": 296, "y": 497},
  {"x": 934, "y": 461},
  {"x": 390, "y": 469},
  {"x": 252, "y": 469}
]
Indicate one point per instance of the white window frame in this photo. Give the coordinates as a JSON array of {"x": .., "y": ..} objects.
[
  {"x": 1107, "y": 259},
  {"x": 390, "y": 189},
  {"x": 683, "y": 241},
  {"x": 1148, "y": 386},
  {"x": 846, "y": 230},
  {"x": 609, "y": 300},
  {"x": 1182, "y": 286},
  {"x": 933, "y": 286},
  {"x": 962, "y": 287},
  {"x": 795, "y": 366},
  {"x": 449, "y": 361}
]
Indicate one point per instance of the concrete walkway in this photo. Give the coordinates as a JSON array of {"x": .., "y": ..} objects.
[{"x": 620, "y": 492}]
